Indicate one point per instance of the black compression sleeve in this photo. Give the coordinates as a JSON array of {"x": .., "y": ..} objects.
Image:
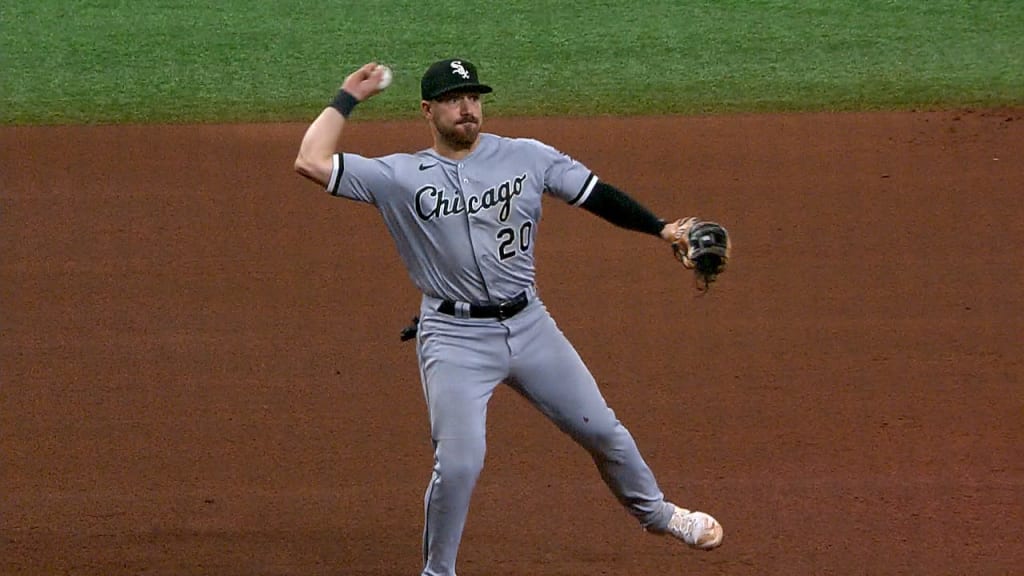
[{"x": 615, "y": 206}]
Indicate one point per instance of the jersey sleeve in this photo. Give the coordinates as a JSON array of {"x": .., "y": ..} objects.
[
  {"x": 565, "y": 177},
  {"x": 360, "y": 178}
]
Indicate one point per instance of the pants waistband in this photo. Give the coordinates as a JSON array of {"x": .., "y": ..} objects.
[{"x": 500, "y": 310}]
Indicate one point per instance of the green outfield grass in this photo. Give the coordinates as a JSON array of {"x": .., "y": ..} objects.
[{"x": 76, "y": 61}]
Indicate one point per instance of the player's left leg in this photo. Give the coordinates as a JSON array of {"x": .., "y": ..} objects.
[{"x": 548, "y": 372}]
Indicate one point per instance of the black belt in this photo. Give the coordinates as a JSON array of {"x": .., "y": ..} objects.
[{"x": 501, "y": 311}]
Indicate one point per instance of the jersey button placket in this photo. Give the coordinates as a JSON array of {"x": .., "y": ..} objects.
[{"x": 480, "y": 252}]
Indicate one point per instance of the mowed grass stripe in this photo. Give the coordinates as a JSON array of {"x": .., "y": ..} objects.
[{"x": 75, "y": 61}]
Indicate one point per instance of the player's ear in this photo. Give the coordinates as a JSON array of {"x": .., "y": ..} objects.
[{"x": 426, "y": 109}]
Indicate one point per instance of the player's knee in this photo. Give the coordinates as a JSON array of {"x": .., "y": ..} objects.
[
  {"x": 460, "y": 461},
  {"x": 603, "y": 440}
]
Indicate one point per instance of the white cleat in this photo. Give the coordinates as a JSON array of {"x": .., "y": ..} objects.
[{"x": 697, "y": 529}]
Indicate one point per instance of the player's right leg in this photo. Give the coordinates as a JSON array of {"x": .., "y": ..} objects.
[{"x": 461, "y": 363}]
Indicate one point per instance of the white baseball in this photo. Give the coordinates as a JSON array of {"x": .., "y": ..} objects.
[{"x": 385, "y": 76}]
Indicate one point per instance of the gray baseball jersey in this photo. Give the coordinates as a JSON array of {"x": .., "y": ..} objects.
[{"x": 465, "y": 229}]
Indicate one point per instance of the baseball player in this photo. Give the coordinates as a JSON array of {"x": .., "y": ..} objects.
[{"x": 464, "y": 215}]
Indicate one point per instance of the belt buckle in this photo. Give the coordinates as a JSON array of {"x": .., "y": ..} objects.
[
  {"x": 510, "y": 308},
  {"x": 506, "y": 309}
]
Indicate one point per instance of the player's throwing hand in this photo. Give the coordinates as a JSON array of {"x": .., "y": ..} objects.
[{"x": 367, "y": 81}]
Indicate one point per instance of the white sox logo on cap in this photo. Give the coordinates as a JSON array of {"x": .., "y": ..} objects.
[
  {"x": 457, "y": 68},
  {"x": 449, "y": 75}
]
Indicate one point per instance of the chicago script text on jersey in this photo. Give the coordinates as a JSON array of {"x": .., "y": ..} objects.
[{"x": 433, "y": 202}]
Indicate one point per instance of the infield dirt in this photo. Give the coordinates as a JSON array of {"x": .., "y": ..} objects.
[{"x": 201, "y": 369}]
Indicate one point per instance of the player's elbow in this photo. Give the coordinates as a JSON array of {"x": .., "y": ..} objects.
[
  {"x": 309, "y": 169},
  {"x": 301, "y": 165}
]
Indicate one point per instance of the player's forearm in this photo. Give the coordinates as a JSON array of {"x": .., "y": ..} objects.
[
  {"x": 617, "y": 207},
  {"x": 319, "y": 144}
]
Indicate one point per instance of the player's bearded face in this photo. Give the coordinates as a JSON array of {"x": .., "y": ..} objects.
[{"x": 457, "y": 118}]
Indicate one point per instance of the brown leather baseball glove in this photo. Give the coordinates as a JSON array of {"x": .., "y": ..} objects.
[{"x": 703, "y": 247}]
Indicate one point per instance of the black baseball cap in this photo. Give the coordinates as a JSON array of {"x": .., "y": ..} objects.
[{"x": 448, "y": 75}]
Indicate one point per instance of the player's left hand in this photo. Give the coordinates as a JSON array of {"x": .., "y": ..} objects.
[{"x": 702, "y": 246}]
